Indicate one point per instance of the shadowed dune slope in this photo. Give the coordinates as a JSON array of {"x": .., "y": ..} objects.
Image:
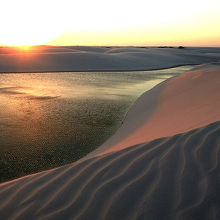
[{"x": 169, "y": 178}]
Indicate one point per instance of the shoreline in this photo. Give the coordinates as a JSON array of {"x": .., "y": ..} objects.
[
  {"x": 106, "y": 130},
  {"x": 84, "y": 151},
  {"x": 111, "y": 70},
  {"x": 92, "y": 59},
  {"x": 132, "y": 124}
]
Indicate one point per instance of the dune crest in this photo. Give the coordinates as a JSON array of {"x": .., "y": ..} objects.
[{"x": 177, "y": 105}]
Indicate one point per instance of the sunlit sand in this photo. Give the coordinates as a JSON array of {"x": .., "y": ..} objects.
[{"x": 163, "y": 163}]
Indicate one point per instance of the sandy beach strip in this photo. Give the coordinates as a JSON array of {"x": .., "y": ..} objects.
[{"x": 166, "y": 166}]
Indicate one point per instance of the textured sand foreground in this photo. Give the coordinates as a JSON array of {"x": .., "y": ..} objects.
[
  {"x": 168, "y": 178},
  {"x": 175, "y": 177}
]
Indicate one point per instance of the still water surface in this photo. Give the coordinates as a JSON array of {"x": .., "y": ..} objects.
[{"x": 51, "y": 119}]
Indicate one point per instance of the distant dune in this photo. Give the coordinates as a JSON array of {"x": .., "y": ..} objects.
[
  {"x": 49, "y": 58},
  {"x": 163, "y": 163}
]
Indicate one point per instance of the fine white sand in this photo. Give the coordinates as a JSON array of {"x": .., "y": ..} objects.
[
  {"x": 48, "y": 58},
  {"x": 138, "y": 173},
  {"x": 177, "y": 105}
]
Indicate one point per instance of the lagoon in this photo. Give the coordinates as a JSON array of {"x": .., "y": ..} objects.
[{"x": 51, "y": 119}]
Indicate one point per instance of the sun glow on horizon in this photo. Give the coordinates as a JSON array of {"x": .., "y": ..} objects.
[
  {"x": 116, "y": 22},
  {"x": 28, "y": 22}
]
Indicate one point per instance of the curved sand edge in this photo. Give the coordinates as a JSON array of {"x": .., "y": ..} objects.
[
  {"x": 176, "y": 105},
  {"x": 168, "y": 178}
]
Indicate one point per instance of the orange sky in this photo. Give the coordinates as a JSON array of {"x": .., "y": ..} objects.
[{"x": 115, "y": 22}]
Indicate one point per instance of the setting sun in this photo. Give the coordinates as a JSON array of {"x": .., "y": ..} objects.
[
  {"x": 25, "y": 23},
  {"x": 114, "y": 22}
]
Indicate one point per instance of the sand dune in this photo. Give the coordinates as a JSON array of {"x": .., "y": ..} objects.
[
  {"x": 138, "y": 173},
  {"x": 45, "y": 58},
  {"x": 177, "y": 105},
  {"x": 169, "y": 178}
]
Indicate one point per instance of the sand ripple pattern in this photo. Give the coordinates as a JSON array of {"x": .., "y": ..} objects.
[{"x": 169, "y": 178}]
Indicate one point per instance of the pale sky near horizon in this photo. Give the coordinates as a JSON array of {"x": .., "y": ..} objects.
[{"x": 115, "y": 22}]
